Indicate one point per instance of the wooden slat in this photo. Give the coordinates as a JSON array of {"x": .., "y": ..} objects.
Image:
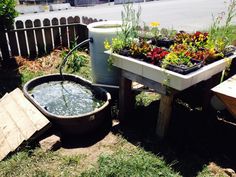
[
  {"x": 48, "y": 36},
  {"x": 71, "y": 32},
  {"x": 23, "y": 122},
  {"x": 31, "y": 40},
  {"x": 21, "y": 39},
  {"x": 13, "y": 42},
  {"x": 4, "y": 146},
  {"x": 39, "y": 38},
  {"x": 64, "y": 33},
  {"x": 56, "y": 33},
  {"x": 227, "y": 87},
  {"x": 19, "y": 121},
  {"x": 77, "y": 19},
  {"x": 226, "y": 92},
  {"x": 81, "y": 33},
  {"x": 32, "y": 112},
  {"x": 85, "y": 20},
  {"x": 10, "y": 130},
  {"x": 3, "y": 44}
]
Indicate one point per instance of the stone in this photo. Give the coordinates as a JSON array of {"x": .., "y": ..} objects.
[
  {"x": 50, "y": 143},
  {"x": 230, "y": 172}
]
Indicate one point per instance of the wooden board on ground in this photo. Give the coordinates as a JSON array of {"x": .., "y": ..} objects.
[
  {"x": 226, "y": 92},
  {"x": 20, "y": 120}
]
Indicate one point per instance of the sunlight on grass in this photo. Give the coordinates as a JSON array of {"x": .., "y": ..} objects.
[
  {"x": 39, "y": 163},
  {"x": 130, "y": 162}
]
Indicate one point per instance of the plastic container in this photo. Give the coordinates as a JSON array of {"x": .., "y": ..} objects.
[{"x": 102, "y": 73}]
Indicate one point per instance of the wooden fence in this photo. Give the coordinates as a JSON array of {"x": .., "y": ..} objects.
[{"x": 36, "y": 38}]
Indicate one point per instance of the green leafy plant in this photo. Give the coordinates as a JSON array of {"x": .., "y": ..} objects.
[
  {"x": 139, "y": 49},
  {"x": 167, "y": 34},
  {"x": 129, "y": 31},
  {"x": 7, "y": 12},
  {"x": 130, "y": 23},
  {"x": 75, "y": 61},
  {"x": 220, "y": 35}
]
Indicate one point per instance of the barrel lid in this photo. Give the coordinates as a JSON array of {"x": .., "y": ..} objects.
[{"x": 105, "y": 26}]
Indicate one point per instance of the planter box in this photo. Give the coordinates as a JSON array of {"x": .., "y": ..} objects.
[{"x": 170, "y": 78}]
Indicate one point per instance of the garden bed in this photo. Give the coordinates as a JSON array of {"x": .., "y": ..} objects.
[{"x": 161, "y": 75}]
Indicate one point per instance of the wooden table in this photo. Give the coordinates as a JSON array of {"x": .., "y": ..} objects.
[
  {"x": 226, "y": 92},
  {"x": 126, "y": 100},
  {"x": 165, "y": 82}
]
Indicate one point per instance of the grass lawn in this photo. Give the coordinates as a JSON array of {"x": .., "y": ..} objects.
[{"x": 196, "y": 145}]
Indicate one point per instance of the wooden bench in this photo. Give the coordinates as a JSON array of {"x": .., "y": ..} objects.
[{"x": 226, "y": 92}]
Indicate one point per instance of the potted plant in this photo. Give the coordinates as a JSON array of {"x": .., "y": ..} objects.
[{"x": 165, "y": 38}]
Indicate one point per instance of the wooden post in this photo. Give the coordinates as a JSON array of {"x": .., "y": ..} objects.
[
  {"x": 164, "y": 115},
  {"x": 3, "y": 43},
  {"x": 125, "y": 98}
]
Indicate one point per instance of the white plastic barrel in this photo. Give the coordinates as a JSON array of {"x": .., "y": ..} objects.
[{"x": 102, "y": 73}]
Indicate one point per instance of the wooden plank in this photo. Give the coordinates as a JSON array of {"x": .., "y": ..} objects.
[
  {"x": 226, "y": 92},
  {"x": 38, "y": 119},
  {"x": 64, "y": 37},
  {"x": 39, "y": 38},
  {"x": 48, "y": 35},
  {"x": 164, "y": 115},
  {"x": 13, "y": 42},
  {"x": 160, "y": 88},
  {"x": 71, "y": 32},
  {"x": 21, "y": 39},
  {"x": 9, "y": 129},
  {"x": 81, "y": 33},
  {"x": 22, "y": 121},
  {"x": 229, "y": 102},
  {"x": 31, "y": 40},
  {"x": 227, "y": 87},
  {"x": 19, "y": 121},
  {"x": 3, "y": 44},
  {"x": 125, "y": 99},
  {"x": 4, "y": 146},
  {"x": 77, "y": 19},
  {"x": 56, "y": 33}
]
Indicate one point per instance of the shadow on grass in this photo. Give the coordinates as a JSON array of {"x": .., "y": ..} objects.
[
  {"x": 195, "y": 138},
  {"x": 9, "y": 76}
]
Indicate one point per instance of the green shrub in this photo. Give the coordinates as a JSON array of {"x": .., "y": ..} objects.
[{"x": 7, "y": 12}]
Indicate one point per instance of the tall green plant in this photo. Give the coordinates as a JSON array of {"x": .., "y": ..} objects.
[
  {"x": 130, "y": 23},
  {"x": 222, "y": 33},
  {"x": 7, "y": 12}
]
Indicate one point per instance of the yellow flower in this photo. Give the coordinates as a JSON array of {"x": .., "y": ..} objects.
[
  {"x": 154, "y": 24},
  {"x": 107, "y": 45}
]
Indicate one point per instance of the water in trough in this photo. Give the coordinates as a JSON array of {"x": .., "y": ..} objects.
[{"x": 65, "y": 98}]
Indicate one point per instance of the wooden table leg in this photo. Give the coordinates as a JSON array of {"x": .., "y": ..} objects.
[
  {"x": 164, "y": 115},
  {"x": 125, "y": 98}
]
